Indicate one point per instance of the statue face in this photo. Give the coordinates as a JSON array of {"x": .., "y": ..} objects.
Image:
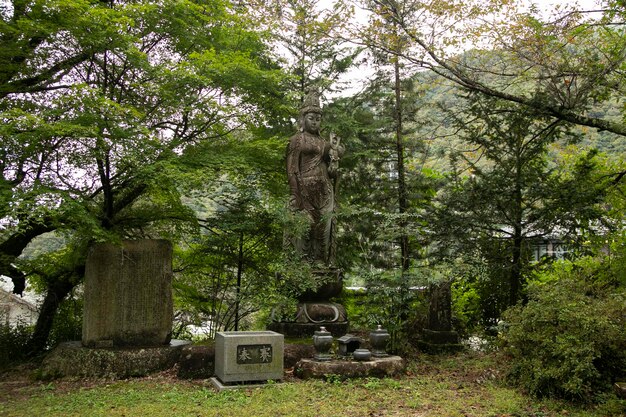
[{"x": 312, "y": 122}]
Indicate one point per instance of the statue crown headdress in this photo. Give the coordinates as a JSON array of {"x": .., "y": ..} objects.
[{"x": 311, "y": 103}]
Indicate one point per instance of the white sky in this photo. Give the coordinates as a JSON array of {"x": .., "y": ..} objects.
[
  {"x": 545, "y": 5},
  {"x": 586, "y": 4},
  {"x": 355, "y": 76}
]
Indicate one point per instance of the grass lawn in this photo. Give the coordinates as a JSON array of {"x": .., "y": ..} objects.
[{"x": 468, "y": 384}]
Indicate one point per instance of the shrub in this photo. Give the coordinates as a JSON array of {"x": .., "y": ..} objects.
[
  {"x": 388, "y": 301},
  {"x": 466, "y": 307},
  {"x": 13, "y": 340},
  {"x": 355, "y": 300},
  {"x": 68, "y": 322},
  {"x": 568, "y": 341}
]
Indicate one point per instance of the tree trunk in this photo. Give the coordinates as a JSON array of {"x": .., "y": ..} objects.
[
  {"x": 518, "y": 239},
  {"x": 402, "y": 198},
  {"x": 516, "y": 269},
  {"x": 12, "y": 248},
  {"x": 55, "y": 294},
  {"x": 239, "y": 273}
]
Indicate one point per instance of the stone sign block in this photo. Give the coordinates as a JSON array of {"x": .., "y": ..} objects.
[{"x": 249, "y": 356}]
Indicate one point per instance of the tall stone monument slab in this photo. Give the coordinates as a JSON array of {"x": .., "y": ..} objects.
[{"x": 128, "y": 294}]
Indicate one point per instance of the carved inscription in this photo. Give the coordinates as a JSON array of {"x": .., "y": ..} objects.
[{"x": 247, "y": 354}]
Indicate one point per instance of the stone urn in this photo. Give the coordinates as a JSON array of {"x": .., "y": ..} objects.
[
  {"x": 322, "y": 341},
  {"x": 378, "y": 342},
  {"x": 361, "y": 355}
]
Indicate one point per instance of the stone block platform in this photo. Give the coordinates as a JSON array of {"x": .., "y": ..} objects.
[
  {"x": 376, "y": 367},
  {"x": 73, "y": 359}
]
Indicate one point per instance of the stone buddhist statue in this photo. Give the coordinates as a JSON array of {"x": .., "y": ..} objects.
[{"x": 312, "y": 168}]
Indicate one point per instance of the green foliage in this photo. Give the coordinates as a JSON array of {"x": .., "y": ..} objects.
[
  {"x": 101, "y": 103},
  {"x": 13, "y": 342},
  {"x": 480, "y": 289},
  {"x": 225, "y": 271},
  {"x": 476, "y": 299},
  {"x": 510, "y": 188},
  {"x": 390, "y": 301},
  {"x": 68, "y": 322},
  {"x": 558, "y": 65},
  {"x": 382, "y": 216},
  {"x": 234, "y": 188},
  {"x": 295, "y": 275},
  {"x": 466, "y": 307},
  {"x": 311, "y": 36},
  {"x": 355, "y": 302},
  {"x": 568, "y": 340},
  {"x": 63, "y": 265}
]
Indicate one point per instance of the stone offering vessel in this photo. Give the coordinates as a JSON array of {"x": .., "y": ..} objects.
[
  {"x": 323, "y": 341},
  {"x": 362, "y": 355},
  {"x": 378, "y": 342}
]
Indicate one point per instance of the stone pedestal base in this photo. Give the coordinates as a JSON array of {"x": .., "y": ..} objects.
[
  {"x": 72, "y": 359},
  {"x": 320, "y": 313},
  {"x": 440, "y": 341},
  {"x": 302, "y": 330},
  {"x": 377, "y": 367},
  {"x": 221, "y": 386},
  {"x": 310, "y": 316}
]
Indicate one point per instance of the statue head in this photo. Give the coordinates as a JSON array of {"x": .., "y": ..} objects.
[{"x": 310, "y": 113}]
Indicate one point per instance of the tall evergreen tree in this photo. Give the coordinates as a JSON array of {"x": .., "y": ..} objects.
[
  {"x": 387, "y": 45},
  {"x": 505, "y": 192},
  {"x": 310, "y": 38}
]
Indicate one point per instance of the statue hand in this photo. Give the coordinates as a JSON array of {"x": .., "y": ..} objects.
[
  {"x": 334, "y": 141},
  {"x": 295, "y": 202}
]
